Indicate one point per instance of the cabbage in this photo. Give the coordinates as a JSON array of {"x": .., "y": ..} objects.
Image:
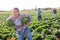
[
  {"x": 25, "y": 20},
  {"x": 9, "y": 23}
]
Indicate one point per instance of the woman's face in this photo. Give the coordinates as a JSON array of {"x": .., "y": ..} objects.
[{"x": 15, "y": 12}]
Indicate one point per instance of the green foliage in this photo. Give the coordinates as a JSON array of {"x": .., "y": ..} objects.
[
  {"x": 45, "y": 29},
  {"x": 9, "y": 23},
  {"x": 57, "y": 34},
  {"x": 25, "y": 20},
  {"x": 37, "y": 37},
  {"x": 50, "y": 37}
]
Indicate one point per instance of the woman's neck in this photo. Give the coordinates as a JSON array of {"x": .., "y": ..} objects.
[{"x": 16, "y": 17}]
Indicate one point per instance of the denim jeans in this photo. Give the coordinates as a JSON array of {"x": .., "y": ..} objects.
[
  {"x": 39, "y": 18},
  {"x": 26, "y": 33},
  {"x": 54, "y": 15}
]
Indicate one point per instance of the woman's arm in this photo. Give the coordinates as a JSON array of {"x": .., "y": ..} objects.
[
  {"x": 9, "y": 18},
  {"x": 30, "y": 18}
]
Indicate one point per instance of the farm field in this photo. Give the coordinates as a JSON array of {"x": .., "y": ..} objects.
[{"x": 47, "y": 29}]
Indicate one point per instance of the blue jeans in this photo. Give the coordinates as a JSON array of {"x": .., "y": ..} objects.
[
  {"x": 39, "y": 18},
  {"x": 26, "y": 33}
]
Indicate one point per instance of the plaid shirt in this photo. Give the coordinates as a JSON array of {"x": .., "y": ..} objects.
[{"x": 18, "y": 21}]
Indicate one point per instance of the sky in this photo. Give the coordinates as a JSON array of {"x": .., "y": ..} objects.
[{"x": 28, "y": 4}]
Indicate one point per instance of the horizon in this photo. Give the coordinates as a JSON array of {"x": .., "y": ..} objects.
[{"x": 6, "y": 5}]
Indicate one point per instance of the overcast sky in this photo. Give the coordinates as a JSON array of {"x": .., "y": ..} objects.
[{"x": 28, "y": 4}]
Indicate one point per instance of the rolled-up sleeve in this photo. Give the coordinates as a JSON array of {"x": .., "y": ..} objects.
[{"x": 9, "y": 18}]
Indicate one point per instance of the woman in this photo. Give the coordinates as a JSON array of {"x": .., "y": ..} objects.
[{"x": 21, "y": 30}]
